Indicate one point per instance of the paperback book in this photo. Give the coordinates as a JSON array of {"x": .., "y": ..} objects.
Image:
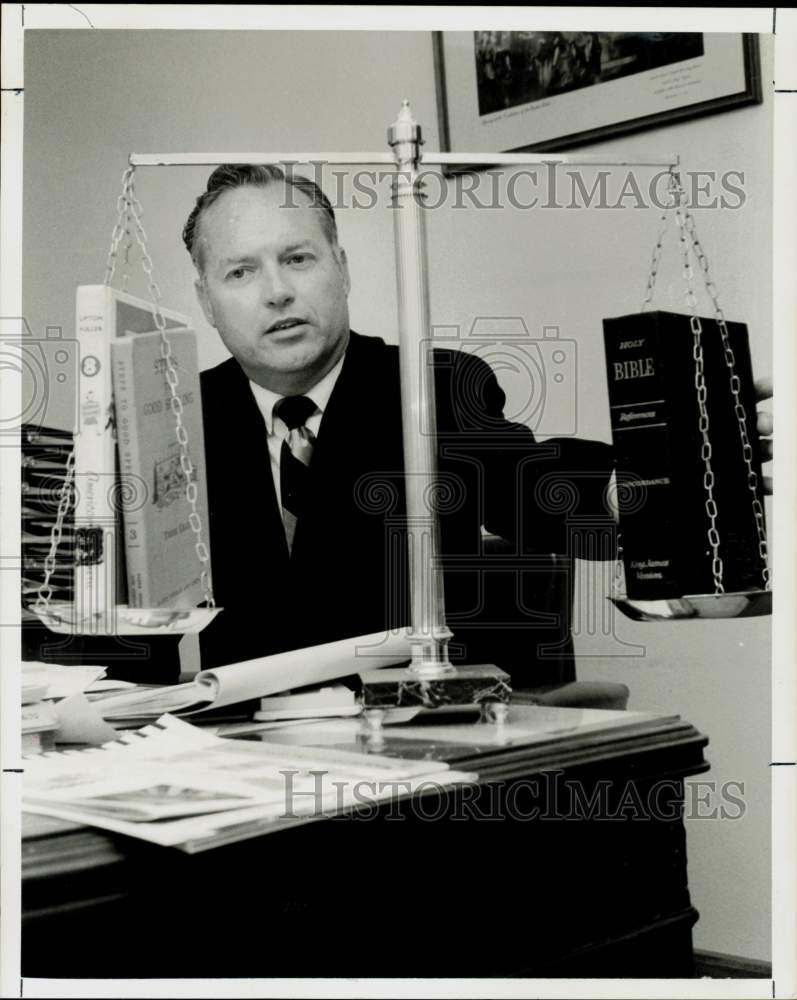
[{"x": 163, "y": 569}]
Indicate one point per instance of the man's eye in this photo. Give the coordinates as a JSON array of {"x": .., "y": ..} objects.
[
  {"x": 237, "y": 273},
  {"x": 300, "y": 258}
]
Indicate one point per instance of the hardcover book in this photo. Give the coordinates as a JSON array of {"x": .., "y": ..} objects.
[
  {"x": 163, "y": 569},
  {"x": 103, "y": 314},
  {"x": 662, "y": 496}
]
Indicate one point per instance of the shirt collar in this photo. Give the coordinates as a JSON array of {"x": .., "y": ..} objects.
[{"x": 320, "y": 393}]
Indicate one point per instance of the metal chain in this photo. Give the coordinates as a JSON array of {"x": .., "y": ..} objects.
[
  {"x": 738, "y": 407},
  {"x": 175, "y": 402},
  {"x": 45, "y": 591},
  {"x": 129, "y": 212},
  {"x": 666, "y": 214},
  {"x": 700, "y": 388},
  {"x": 690, "y": 243},
  {"x": 121, "y": 226},
  {"x": 618, "y": 581},
  {"x": 128, "y": 248}
]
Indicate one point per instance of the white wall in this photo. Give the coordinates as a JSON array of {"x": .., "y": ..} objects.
[{"x": 93, "y": 97}]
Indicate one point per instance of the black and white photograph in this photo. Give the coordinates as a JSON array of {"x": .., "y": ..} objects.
[
  {"x": 550, "y": 90},
  {"x": 519, "y": 67},
  {"x": 396, "y": 439}
]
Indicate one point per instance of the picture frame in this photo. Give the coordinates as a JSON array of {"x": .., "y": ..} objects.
[{"x": 522, "y": 91}]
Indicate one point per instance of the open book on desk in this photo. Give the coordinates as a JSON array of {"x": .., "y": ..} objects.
[{"x": 253, "y": 679}]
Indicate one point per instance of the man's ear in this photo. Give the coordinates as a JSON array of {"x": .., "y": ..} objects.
[
  {"x": 344, "y": 266},
  {"x": 204, "y": 300}
]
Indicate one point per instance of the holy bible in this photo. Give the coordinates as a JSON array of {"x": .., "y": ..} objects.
[{"x": 662, "y": 474}]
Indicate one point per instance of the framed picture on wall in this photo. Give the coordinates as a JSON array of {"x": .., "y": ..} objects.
[{"x": 511, "y": 91}]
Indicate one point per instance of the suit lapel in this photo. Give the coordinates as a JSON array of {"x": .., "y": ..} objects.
[
  {"x": 246, "y": 485},
  {"x": 358, "y": 435}
]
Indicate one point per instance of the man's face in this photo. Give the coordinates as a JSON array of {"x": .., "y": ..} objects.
[{"x": 273, "y": 286}]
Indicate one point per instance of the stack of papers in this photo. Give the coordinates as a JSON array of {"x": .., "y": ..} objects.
[
  {"x": 58, "y": 681},
  {"x": 174, "y": 784}
]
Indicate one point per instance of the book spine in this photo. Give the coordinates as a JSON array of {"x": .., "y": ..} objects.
[
  {"x": 640, "y": 406},
  {"x": 95, "y": 520},
  {"x": 130, "y": 466}
]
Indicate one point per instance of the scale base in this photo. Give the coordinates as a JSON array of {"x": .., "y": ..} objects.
[
  {"x": 741, "y": 604},
  {"x": 63, "y": 618},
  {"x": 483, "y": 684}
]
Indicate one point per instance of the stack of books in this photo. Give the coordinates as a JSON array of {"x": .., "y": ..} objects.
[
  {"x": 127, "y": 537},
  {"x": 113, "y": 506},
  {"x": 44, "y": 452}
]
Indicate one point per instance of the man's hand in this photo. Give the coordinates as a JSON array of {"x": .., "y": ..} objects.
[{"x": 763, "y": 390}]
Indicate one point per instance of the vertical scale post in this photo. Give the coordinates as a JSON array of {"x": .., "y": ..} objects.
[
  {"x": 430, "y": 682},
  {"x": 429, "y": 634}
]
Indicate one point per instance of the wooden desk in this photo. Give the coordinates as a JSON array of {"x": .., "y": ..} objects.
[{"x": 524, "y": 874}]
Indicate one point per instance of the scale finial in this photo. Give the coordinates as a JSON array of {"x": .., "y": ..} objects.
[
  {"x": 405, "y": 114},
  {"x": 404, "y": 135}
]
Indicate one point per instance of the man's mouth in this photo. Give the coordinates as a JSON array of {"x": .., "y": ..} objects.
[{"x": 285, "y": 324}]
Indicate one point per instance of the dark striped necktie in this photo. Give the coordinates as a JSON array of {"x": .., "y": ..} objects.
[{"x": 297, "y": 450}]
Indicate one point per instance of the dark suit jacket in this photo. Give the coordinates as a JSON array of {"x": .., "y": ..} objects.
[{"x": 347, "y": 574}]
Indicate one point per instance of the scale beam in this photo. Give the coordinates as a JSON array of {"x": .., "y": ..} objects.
[
  {"x": 530, "y": 159},
  {"x": 388, "y": 159},
  {"x": 258, "y": 159}
]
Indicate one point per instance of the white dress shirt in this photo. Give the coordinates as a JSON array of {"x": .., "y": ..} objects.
[{"x": 276, "y": 428}]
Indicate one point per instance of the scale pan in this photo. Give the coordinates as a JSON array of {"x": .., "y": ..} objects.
[
  {"x": 742, "y": 604},
  {"x": 62, "y": 617}
]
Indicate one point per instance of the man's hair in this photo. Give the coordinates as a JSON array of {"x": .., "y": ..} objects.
[{"x": 235, "y": 175}]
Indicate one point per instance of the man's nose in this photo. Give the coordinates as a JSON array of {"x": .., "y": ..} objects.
[{"x": 277, "y": 291}]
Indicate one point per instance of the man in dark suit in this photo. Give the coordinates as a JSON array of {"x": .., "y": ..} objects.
[{"x": 273, "y": 280}]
